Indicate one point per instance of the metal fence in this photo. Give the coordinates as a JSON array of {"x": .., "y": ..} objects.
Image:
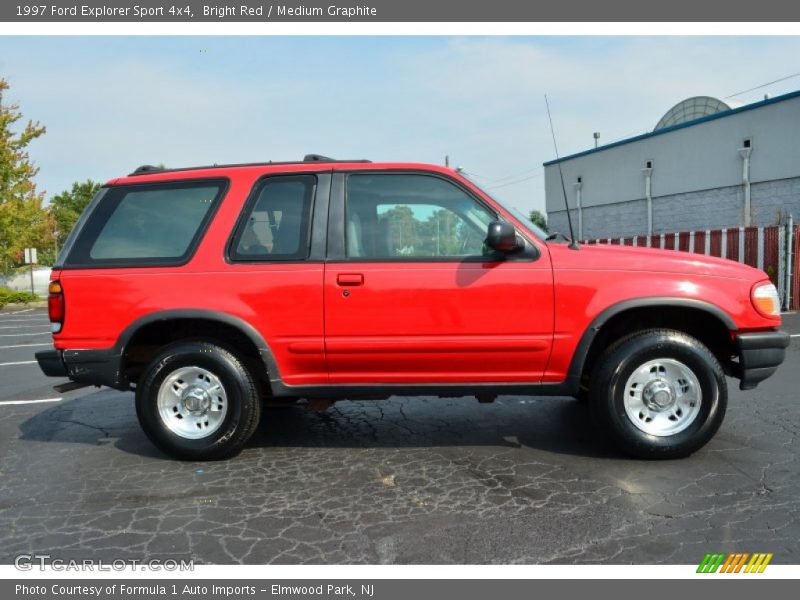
[{"x": 774, "y": 250}]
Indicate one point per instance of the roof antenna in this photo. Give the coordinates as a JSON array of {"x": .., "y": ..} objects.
[{"x": 573, "y": 245}]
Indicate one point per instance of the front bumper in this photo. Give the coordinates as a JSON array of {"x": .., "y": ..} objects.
[
  {"x": 760, "y": 354},
  {"x": 94, "y": 367}
]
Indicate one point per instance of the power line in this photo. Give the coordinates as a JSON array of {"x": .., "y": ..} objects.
[
  {"x": 502, "y": 185},
  {"x": 752, "y": 89},
  {"x": 505, "y": 177},
  {"x": 763, "y": 85}
]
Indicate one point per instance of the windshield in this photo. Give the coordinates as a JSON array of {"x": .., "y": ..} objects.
[{"x": 520, "y": 216}]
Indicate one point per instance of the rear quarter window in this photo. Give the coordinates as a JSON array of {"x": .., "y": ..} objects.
[{"x": 146, "y": 224}]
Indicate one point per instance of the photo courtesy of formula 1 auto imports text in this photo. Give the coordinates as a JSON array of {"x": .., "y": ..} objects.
[{"x": 377, "y": 300}]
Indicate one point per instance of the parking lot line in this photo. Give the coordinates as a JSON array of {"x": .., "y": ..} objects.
[
  {"x": 4, "y": 402},
  {"x": 22, "y": 326},
  {"x": 22, "y": 362},
  {"x": 24, "y": 346},
  {"x": 16, "y": 312},
  {"x": 24, "y": 320},
  {"x": 23, "y": 334}
]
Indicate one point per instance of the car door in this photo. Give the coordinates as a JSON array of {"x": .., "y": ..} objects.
[{"x": 411, "y": 295}]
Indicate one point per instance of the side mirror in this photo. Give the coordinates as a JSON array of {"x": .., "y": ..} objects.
[{"x": 502, "y": 237}]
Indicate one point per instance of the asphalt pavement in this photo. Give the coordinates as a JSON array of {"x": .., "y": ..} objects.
[{"x": 406, "y": 480}]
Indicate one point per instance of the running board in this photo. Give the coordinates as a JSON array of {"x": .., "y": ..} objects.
[{"x": 69, "y": 386}]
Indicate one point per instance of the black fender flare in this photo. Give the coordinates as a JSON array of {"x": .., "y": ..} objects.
[
  {"x": 582, "y": 349},
  {"x": 252, "y": 334}
]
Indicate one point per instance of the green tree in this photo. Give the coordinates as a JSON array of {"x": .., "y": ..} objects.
[
  {"x": 404, "y": 229},
  {"x": 23, "y": 221},
  {"x": 67, "y": 207},
  {"x": 538, "y": 219}
]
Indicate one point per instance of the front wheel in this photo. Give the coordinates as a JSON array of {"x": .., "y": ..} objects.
[
  {"x": 197, "y": 401},
  {"x": 661, "y": 394}
]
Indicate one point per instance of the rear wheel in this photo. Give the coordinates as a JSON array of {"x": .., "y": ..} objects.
[
  {"x": 661, "y": 394},
  {"x": 197, "y": 401}
]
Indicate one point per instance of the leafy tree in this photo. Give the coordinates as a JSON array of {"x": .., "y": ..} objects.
[
  {"x": 23, "y": 221},
  {"x": 538, "y": 219},
  {"x": 66, "y": 207},
  {"x": 404, "y": 229},
  {"x": 423, "y": 233}
]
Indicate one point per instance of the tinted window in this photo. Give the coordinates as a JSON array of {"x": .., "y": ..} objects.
[
  {"x": 276, "y": 224},
  {"x": 399, "y": 215},
  {"x": 146, "y": 224}
]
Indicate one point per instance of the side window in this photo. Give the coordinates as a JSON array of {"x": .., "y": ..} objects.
[
  {"x": 277, "y": 224},
  {"x": 409, "y": 215},
  {"x": 146, "y": 224}
]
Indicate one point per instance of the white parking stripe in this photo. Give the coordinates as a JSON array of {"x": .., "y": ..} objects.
[
  {"x": 23, "y": 334},
  {"x": 24, "y": 362},
  {"x": 25, "y": 320},
  {"x": 2, "y": 402},
  {"x": 22, "y": 326},
  {"x": 795, "y": 335},
  {"x": 16, "y": 312},
  {"x": 24, "y": 346}
]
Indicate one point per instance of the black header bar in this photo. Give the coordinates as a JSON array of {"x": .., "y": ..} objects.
[{"x": 464, "y": 11}]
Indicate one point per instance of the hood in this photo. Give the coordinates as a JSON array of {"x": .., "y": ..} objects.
[{"x": 602, "y": 257}]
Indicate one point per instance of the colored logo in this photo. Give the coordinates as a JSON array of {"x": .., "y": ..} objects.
[{"x": 739, "y": 562}]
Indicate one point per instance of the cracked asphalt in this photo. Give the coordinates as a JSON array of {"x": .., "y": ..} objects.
[{"x": 407, "y": 480}]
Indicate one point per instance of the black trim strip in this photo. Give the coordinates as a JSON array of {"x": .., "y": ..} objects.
[
  {"x": 354, "y": 391},
  {"x": 336, "y": 219},
  {"x": 319, "y": 218}
]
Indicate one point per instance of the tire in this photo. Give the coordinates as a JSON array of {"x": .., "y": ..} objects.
[
  {"x": 198, "y": 401},
  {"x": 665, "y": 376}
]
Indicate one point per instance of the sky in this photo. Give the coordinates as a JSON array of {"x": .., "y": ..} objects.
[{"x": 111, "y": 104}]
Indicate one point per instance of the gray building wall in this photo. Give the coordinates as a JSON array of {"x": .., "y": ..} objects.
[
  {"x": 696, "y": 177},
  {"x": 628, "y": 218},
  {"x": 773, "y": 198},
  {"x": 706, "y": 209}
]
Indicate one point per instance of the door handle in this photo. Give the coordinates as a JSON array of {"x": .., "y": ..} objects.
[{"x": 350, "y": 279}]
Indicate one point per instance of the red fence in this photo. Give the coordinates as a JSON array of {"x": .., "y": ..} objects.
[
  {"x": 765, "y": 248},
  {"x": 794, "y": 304}
]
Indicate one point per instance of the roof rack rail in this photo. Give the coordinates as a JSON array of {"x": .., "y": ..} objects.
[
  {"x": 144, "y": 169},
  {"x": 308, "y": 158},
  {"x": 322, "y": 158}
]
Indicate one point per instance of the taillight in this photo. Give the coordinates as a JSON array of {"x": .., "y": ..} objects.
[
  {"x": 55, "y": 306},
  {"x": 766, "y": 300}
]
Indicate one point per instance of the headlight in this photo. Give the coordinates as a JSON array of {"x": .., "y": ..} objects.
[{"x": 765, "y": 299}]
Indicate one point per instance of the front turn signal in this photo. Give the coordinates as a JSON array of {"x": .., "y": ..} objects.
[{"x": 766, "y": 300}]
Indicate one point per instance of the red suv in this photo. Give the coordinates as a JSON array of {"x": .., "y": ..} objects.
[{"x": 212, "y": 290}]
